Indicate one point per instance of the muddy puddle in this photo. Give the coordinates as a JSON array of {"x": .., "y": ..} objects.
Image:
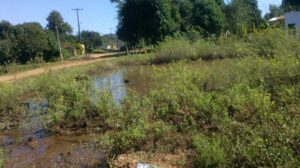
[
  {"x": 31, "y": 145},
  {"x": 125, "y": 80}
]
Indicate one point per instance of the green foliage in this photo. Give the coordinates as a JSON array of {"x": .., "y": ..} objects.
[
  {"x": 6, "y": 50},
  {"x": 28, "y": 42},
  {"x": 290, "y": 5},
  {"x": 240, "y": 112},
  {"x": 207, "y": 16},
  {"x": 68, "y": 98},
  {"x": 243, "y": 16},
  {"x": 153, "y": 21},
  {"x": 274, "y": 11},
  {"x": 137, "y": 16},
  {"x": 9, "y": 98},
  {"x": 209, "y": 152},
  {"x": 31, "y": 41},
  {"x": 249, "y": 105},
  {"x": 274, "y": 43},
  {"x": 131, "y": 138},
  {"x": 91, "y": 40},
  {"x": 167, "y": 52},
  {"x": 56, "y": 20},
  {"x": 5, "y": 29},
  {"x": 269, "y": 44},
  {"x": 7, "y": 41}
]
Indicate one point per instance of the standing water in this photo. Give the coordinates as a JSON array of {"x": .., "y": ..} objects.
[{"x": 32, "y": 145}]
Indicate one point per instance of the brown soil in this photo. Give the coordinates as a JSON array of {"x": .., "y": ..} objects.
[
  {"x": 50, "y": 151},
  {"x": 180, "y": 159},
  {"x": 67, "y": 64}
]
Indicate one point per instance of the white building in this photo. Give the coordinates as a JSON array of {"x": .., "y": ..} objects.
[{"x": 292, "y": 21}]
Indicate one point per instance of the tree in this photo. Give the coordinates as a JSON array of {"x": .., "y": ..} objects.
[
  {"x": 51, "y": 52},
  {"x": 6, "y": 50},
  {"x": 5, "y": 29},
  {"x": 145, "y": 20},
  {"x": 220, "y": 2},
  {"x": 243, "y": 16},
  {"x": 7, "y": 41},
  {"x": 55, "y": 19},
  {"x": 274, "y": 11},
  {"x": 208, "y": 16},
  {"x": 186, "y": 14},
  {"x": 290, "y": 5},
  {"x": 32, "y": 42},
  {"x": 91, "y": 39}
]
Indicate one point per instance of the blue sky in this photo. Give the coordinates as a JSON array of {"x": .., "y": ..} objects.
[{"x": 98, "y": 15}]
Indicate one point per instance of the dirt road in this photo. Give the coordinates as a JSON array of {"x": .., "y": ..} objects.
[{"x": 67, "y": 64}]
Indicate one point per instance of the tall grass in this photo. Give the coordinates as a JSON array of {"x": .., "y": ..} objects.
[{"x": 269, "y": 44}]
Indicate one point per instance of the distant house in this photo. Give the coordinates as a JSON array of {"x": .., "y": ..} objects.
[
  {"x": 277, "y": 21},
  {"x": 109, "y": 47},
  {"x": 292, "y": 23}
]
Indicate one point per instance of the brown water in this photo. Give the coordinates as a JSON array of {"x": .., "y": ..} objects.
[
  {"x": 31, "y": 145},
  {"x": 50, "y": 151},
  {"x": 120, "y": 82}
]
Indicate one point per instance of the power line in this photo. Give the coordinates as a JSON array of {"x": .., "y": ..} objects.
[{"x": 79, "y": 32}]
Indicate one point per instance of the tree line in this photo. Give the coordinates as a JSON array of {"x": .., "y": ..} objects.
[
  {"x": 30, "y": 42},
  {"x": 151, "y": 21},
  {"x": 140, "y": 22}
]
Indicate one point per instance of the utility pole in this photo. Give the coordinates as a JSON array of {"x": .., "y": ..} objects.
[
  {"x": 59, "y": 45},
  {"x": 79, "y": 32}
]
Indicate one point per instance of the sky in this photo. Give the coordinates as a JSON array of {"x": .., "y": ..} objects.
[{"x": 98, "y": 15}]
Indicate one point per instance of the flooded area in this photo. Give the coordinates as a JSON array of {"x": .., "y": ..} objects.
[
  {"x": 32, "y": 145},
  {"x": 122, "y": 81}
]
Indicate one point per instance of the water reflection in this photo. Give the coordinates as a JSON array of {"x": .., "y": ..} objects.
[
  {"x": 125, "y": 80},
  {"x": 114, "y": 83}
]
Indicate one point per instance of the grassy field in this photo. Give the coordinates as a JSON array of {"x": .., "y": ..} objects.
[{"x": 223, "y": 102}]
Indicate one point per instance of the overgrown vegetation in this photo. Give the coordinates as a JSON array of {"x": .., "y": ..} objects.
[
  {"x": 268, "y": 44},
  {"x": 241, "y": 112},
  {"x": 149, "y": 22}
]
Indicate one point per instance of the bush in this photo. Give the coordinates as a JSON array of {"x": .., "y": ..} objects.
[
  {"x": 68, "y": 97},
  {"x": 10, "y": 100},
  {"x": 209, "y": 152},
  {"x": 174, "y": 50},
  {"x": 274, "y": 43},
  {"x": 269, "y": 44},
  {"x": 249, "y": 105},
  {"x": 130, "y": 139}
]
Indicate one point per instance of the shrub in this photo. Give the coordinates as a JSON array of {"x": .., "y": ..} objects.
[
  {"x": 174, "y": 50},
  {"x": 132, "y": 138},
  {"x": 274, "y": 43},
  {"x": 209, "y": 152},
  {"x": 249, "y": 105},
  {"x": 69, "y": 98},
  {"x": 10, "y": 100}
]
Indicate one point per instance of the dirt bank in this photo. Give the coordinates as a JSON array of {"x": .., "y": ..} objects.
[{"x": 67, "y": 64}]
